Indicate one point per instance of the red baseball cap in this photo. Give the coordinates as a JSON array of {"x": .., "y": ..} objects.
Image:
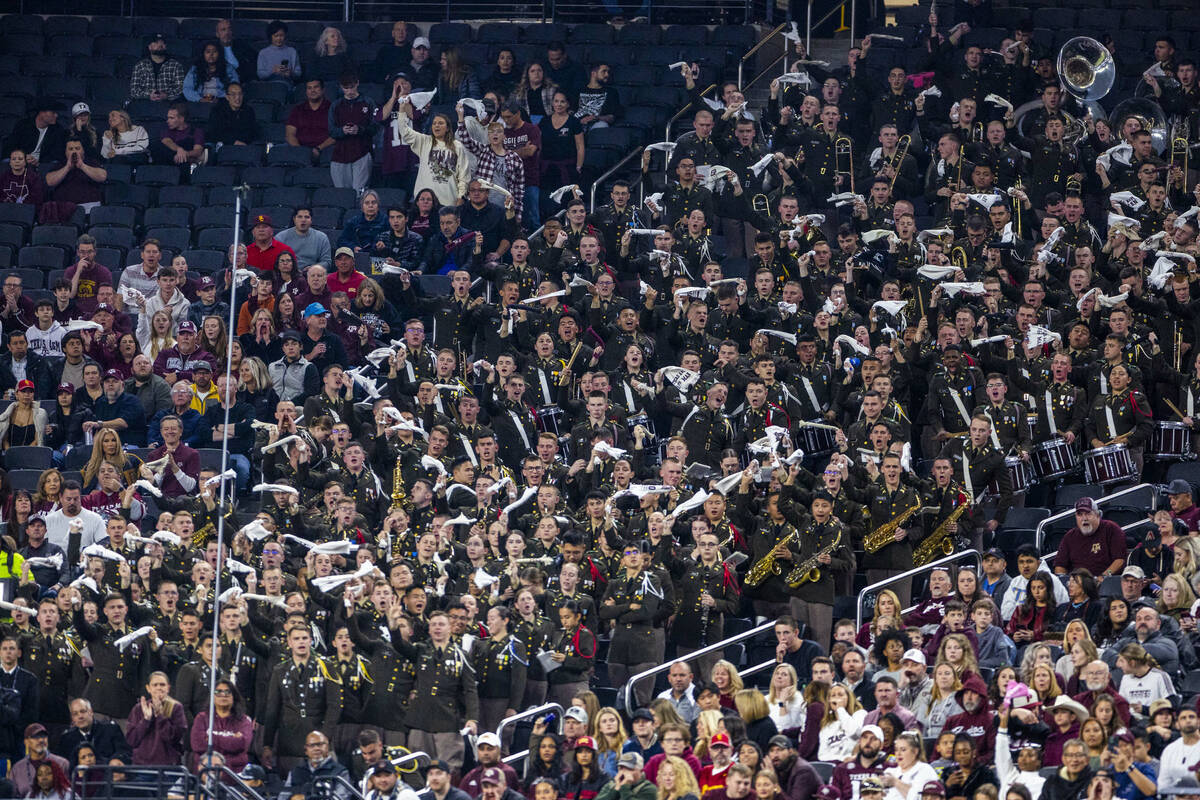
[
  {"x": 25, "y": 384},
  {"x": 720, "y": 739}
]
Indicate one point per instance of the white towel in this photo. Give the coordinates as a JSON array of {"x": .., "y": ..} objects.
[
  {"x": 130, "y": 638},
  {"x": 330, "y": 582}
]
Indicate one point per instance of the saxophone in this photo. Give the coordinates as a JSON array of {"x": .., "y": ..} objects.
[
  {"x": 399, "y": 495},
  {"x": 766, "y": 566},
  {"x": 885, "y": 534},
  {"x": 940, "y": 540},
  {"x": 808, "y": 570}
]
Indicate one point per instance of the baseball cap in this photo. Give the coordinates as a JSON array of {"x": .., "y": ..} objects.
[
  {"x": 65, "y": 387},
  {"x": 1133, "y": 571},
  {"x": 289, "y": 336},
  {"x": 875, "y": 730},
  {"x": 643, "y": 713},
  {"x": 199, "y": 364},
  {"x": 828, "y": 792},
  {"x": 315, "y": 310},
  {"x": 934, "y": 787},
  {"x": 206, "y": 283},
  {"x": 438, "y": 764},
  {"x": 187, "y": 326},
  {"x": 585, "y": 741},
  {"x": 113, "y": 375},
  {"x": 80, "y": 108},
  {"x": 36, "y": 517},
  {"x": 1153, "y": 538},
  {"x": 25, "y": 384},
  {"x": 381, "y": 766},
  {"x": 343, "y": 251},
  {"x": 35, "y": 729},
  {"x": 720, "y": 739},
  {"x": 489, "y": 738},
  {"x": 104, "y": 307},
  {"x": 780, "y": 741},
  {"x": 913, "y": 654},
  {"x": 253, "y": 772},
  {"x": 261, "y": 219},
  {"x": 1179, "y": 486},
  {"x": 576, "y": 713},
  {"x": 870, "y": 784},
  {"x": 491, "y": 775},
  {"x": 420, "y": 41},
  {"x": 994, "y": 552},
  {"x": 631, "y": 761},
  {"x": 1087, "y": 505}
]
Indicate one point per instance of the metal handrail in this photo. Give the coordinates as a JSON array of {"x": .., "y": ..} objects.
[
  {"x": 97, "y": 781},
  {"x": 712, "y": 648},
  {"x": 417, "y": 756},
  {"x": 327, "y": 780},
  {"x": 533, "y": 712},
  {"x": 932, "y": 565},
  {"x": 829, "y": 14},
  {"x": 682, "y": 111},
  {"x": 596, "y": 183},
  {"x": 759, "y": 46},
  {"x": 1039, "y": 535},
  {"x": 227, "y": 777},
  {"x": 765, "y": 70}
]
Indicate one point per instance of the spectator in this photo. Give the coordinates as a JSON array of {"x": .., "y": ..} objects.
[
  {"x": 21, "y": 183},
  {"x": 45, "y": 335},
  {"x": 238, "y": 432},
  {"x": 39, "y": 137},
  {"x": 173, "y": 362},
  {"x": 535, "y": 93},
  {"x": 421, "y": 68},
  {"x": 352, "y": 126},
  {"x": 332, "y": 57},
  {"x": 563, "y": 72},
  {"x": 526, "y": 139},
  {"x": 183, "y": 467},
  {"x": 293, "y": 376},
  {"x": 485, "y": 217},
  {"x": 308, "y": 122},
  {"x": 210, "y": 75},
  {"x": 494, "y": 163},
  {"x": 599, "y": 103},
  {"x": 232, "y": 121},
  {"x": 177, "y": 141},
  {"x": 452, "y": 247},
  {"x": 394, "y": 56},
  {"x": 118, "y": 410},
  {"x": 157, "y": 725},
  {"x": 399, "y": 163},
  {"x": 48, "y": 576},
  {"x": 166, "y": 296},
  {"x": 444, "y": 166},
  {"x": 151, "y": 390},
  {"x": 423, "y": 215},
  {"x": 456, "y": 80},
  {"x": 318, "y": 763},
  {"x": 308, "y": 245},
  {"x": 101, "y": 734},
  {"x": 562, "y": 143},
  {"x": 373, "y": 308},
  {"x": 157, "y": 76},
  {"x": 207, "y": 305},
  {"x": 1095, "y": 544},
  {"x": 58, "y": 522},
  {"x": 78, "y": 181},
  {"x": 23, "y": 423},
  {"x": 264, "y": 248},
  {"x": 238, "y": 54},
  {"x": 124, "y": 142},
  {"x": 16, "y": 310},
  {"x": 317, "y": 290},
  {"x": 181, "y": 407},
  {"x": 346, "y": 278},
  {"x": 400, "y": 245},
  {"x": 505, "y": 74},
  {"x": 25, "y": 773},
  {"x": 278, "y": 61},
  {"x": 322, "y": 348},
  {"x": 81, "y": 128}
]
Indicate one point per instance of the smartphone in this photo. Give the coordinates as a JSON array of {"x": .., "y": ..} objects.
[{"x": 284, "y": 62}]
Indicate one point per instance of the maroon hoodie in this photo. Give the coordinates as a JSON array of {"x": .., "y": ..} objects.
[
  {"x": 977, "y": 724},
  {"x": 656, "y": 761}
]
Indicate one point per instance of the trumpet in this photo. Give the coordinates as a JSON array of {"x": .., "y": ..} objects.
[
  {"x": 902, "y": 145},
  {"x": 843, "y": 159}
]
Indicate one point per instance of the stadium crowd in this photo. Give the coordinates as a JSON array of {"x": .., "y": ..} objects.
[{"x": 493, "y": 448}]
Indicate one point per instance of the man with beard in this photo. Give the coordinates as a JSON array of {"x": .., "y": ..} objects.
[
  {"x": 1181, "y": 755},
  {"x": 976, "y": 719},
  {"x": 848, "y": 776},
  {"x": 1095, "y": 544},
  {"x": 797, "y": 777}
]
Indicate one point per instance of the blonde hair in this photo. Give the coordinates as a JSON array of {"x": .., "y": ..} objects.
[
  {"x": 1192, "y": 546},
  {"x": 591, "y": 704},
  {"x": 1054, "y": 691},
  {"x": 258, "y": 369},
  {"x": 708, "y": 723},
  {"x": 605, "y": 743},
  {"x": 851, "y": 703},
  {"x": 1186, "y": 596},
  {"x": 735, "y": 680},
  {"x": 935, "y": 692},
  {"x": 92, "y": 467},
  {"x": 791, "y": 672},
  {"x": 155, "y": 343},
  {"x": 751, "y": 705},
  {"x": 969, "y": 662},
  {"x": 685, "y": 779}
]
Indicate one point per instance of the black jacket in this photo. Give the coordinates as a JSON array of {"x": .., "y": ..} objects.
[
  {"x": 18, "y": 708},
  {"x": 105, "y": 737},
  {"x": 24, "y": 136},
  {"x": 34, "y": 370}
]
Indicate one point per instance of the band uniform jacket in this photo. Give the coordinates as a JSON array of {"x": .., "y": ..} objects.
[
  {"x": 444, "y": 694},
  {"x": 692, "y": 626},
  {"x": 1010, "y": 424},
  {"x": 501, "y": 668},
  {"x": 1130, "y": 415},
  {"x": 633, "y": 628},
  {"x": 1066, "y": 401},
  {"x": 814, "y": 537},
  {"x": 301, "y": 698},
  {"x": 884, "y": 505},
  {"x": 54, "y": 661},
  {"x": 117, "y": 675},
  {"x": 943, "y": 412},
  {"x": 982, "y": 473}
]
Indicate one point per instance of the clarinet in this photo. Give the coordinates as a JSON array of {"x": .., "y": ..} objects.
[{"x": 704, "y": 614}]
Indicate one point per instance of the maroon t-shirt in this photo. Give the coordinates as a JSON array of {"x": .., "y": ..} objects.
[
  {"x": 517, "y": 138},
  {"x": 1094, "y": 553},
  {"x": 312, "y": 127}
]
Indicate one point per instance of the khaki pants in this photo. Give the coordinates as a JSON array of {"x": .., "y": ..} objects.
[{"x": 446, "y": 746}]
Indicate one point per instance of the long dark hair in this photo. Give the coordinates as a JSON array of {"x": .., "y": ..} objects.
[
  {"x": 539, "y": 768},
  {"x": 238, "y": 711},
  {"x": 1104, "y": 629},
  {"x": 221, "y": 68},
  {"x": 415, "y": 213},
  {"x": 881, "y": 641},
  {"x": 1028, "y": 604}
]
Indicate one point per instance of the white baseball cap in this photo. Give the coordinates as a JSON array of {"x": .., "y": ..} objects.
[
  {"x": 421, "y": 41},
  {"x": 913, "y": 654},
  {"x": 80, "y": 108}
]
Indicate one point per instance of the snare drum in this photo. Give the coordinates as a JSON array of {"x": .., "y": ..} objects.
[
  {"x": 1054, "y": 458},
  {"x": 1171, "y": 441},
  {"x": 1020, "y": 477},
  {"x": 1111, "y": 464},
  {"x": 552, "y": 419},
  {"x": 817, "y": 441}
]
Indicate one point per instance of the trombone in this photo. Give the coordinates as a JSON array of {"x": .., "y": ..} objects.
[
  {"x": 902, "y": 146},
  {"x": 843, "y": 159},
  {"x": 1179, "y": 153},
  {"x": 962, "y": 153}
]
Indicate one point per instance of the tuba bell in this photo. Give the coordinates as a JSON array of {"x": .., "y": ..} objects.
[{"x": 1086, "y": 68}]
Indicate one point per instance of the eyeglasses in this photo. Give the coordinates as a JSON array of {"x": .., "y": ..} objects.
[
  {"x": 223, "y": 693},
  {"x": 272, "y": 552}
]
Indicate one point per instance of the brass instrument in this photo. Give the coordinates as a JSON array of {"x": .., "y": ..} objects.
[
  {"x": 843, "y": 159},
  {"x": 562, "y": 380},
  {"x": 885, "y": 534},
  {"x": 808, "y": 569},
  {"x": 767, "y": 565},
  {"x": 1017, "y": 207},
  {"x": 1087, "y": 68},
  {"x": 958, "y": 257},
  {"x": 1179, "y": 150},
  {"x": 940, "y": 540},
  {"x": 962, "y": 154},
  {"x": 902, "y": 145},
  {"x": 399, "y": 494},
  {"x": 977, "y": 132},
  {"x": 541, "y": 561}
]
